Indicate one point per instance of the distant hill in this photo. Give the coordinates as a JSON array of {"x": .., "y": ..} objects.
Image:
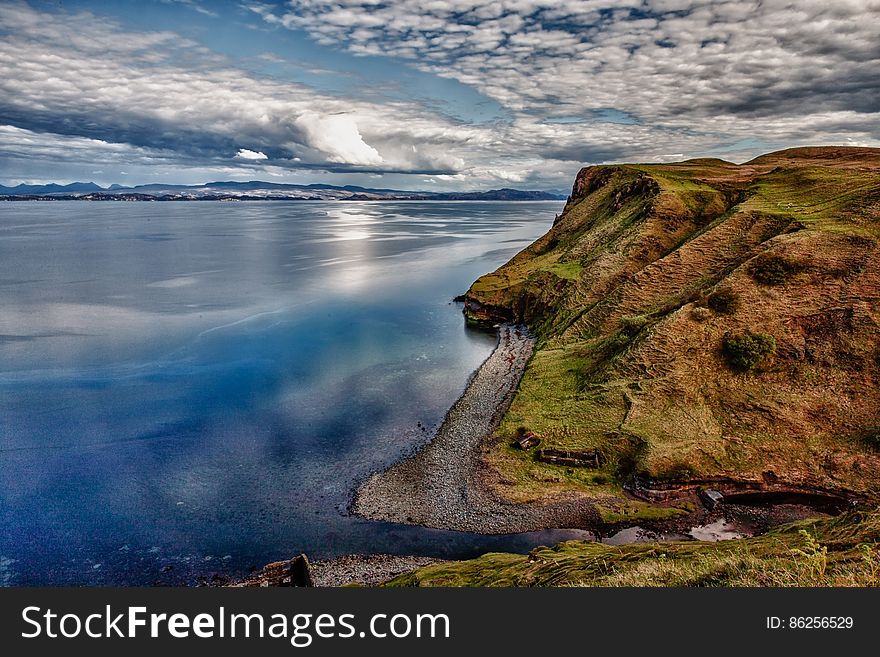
[
  {"x": 258, "y": 190},
  {"x": 505, "y": 194},
  {"x": 52, "y": 188}
]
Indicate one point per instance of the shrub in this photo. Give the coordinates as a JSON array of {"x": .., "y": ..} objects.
[
  {"x": 723, "y": 300},
  {"x": 871, "y": 439},
  {"x": 625, "y": 456},
  {"x": 773, "y": 269},
  {"x": 632, "y": 324},
  {"x": 813, "y": 553},
  {"x": 743, "y": 352},
  {"x": 700, "y": 314}
]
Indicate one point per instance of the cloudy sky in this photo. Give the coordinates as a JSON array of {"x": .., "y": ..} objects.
[{"x": 423, "y": 94}]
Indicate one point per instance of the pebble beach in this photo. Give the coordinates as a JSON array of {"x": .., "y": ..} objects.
[{"x": 441, "y": 486}]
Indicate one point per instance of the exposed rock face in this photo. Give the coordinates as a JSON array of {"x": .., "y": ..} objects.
[
  {"x": 711, "y": 498},
  {"x": 628, "y": 360}
]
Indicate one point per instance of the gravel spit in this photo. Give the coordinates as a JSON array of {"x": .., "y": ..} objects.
[{"x": 441, "y": 485}]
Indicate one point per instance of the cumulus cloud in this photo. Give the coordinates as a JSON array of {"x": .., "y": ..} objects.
[
  {"x": 337, "y": 135},
  {"x": 19, "y": 143},
  {"x": 700, "y": 72},
  {"x": 653, "y": 56},
  {"x": 245, "y": 154},
  {"x": 140, "y": 95}
]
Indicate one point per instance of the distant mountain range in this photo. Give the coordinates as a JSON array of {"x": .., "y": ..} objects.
[
  {"x": 255, "y": 190},
  {"x": 52, "y": 188}
]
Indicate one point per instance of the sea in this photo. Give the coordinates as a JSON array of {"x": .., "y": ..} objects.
[{"x": 191, "y": 390}]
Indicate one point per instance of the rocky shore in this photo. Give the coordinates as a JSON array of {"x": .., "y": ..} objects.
[
  {"x": 351, "y": 569},
  {"x": 441, "y": 486}
]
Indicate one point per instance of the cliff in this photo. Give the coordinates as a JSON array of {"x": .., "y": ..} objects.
[{"x": 699, "y": 321}]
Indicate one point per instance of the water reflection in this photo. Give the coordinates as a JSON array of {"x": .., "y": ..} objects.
[{"x": 201, "y": 385}]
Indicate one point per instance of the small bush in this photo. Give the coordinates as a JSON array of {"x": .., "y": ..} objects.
[
  {"x": 700, "y": 314},
  {"x": 625, "y": 457},
  {"x": 724, "y": 301},
  {"x": 632, "y": 324},
  {"x": 743, "y": 352},
  {"x": 814, "y": 554},
  {"x": 773, "y": 269},
  {"x": 871, "y": 439}
]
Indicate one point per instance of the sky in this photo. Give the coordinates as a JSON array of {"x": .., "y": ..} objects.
[{"x": 423, "y": 94}]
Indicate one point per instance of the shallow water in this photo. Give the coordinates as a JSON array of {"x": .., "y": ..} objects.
[
  {"x": 638, "y": 534},
  {"x": 195, "y": 388},
  {"x": 720, "y": 530}
]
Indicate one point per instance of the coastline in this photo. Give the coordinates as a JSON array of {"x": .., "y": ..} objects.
[
  {"x": 347, "y": 570},
  {"x": 441, "y": 486}
]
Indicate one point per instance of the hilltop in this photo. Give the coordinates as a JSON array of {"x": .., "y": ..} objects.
[{"x": 699, "y": 323}]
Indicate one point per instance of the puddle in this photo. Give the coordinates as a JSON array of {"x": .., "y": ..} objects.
[
  {"x": 640, "y": 535},
  {"x": 720, "y": 530}
]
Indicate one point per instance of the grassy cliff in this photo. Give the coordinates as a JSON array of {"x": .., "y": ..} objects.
[{"x": 699, "y": 321}]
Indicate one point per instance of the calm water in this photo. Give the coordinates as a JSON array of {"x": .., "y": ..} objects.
[{"x": 196, "y": 388}]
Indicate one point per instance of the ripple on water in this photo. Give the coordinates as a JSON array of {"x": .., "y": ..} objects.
[{"x": 7, "y": 575}]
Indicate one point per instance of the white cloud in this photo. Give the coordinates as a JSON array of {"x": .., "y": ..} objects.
[
  {"x": 696, "y": 74},
  {"x": 245, "y": 154},
  {"x": 48, "y": 84},
  {"x": 337, "y": 136},
  {"x": 27, "y": 144},
  {"x": 729, "y": 77}
]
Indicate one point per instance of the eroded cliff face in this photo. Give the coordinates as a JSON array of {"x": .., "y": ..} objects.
[{"x": 701, "y": 320}]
